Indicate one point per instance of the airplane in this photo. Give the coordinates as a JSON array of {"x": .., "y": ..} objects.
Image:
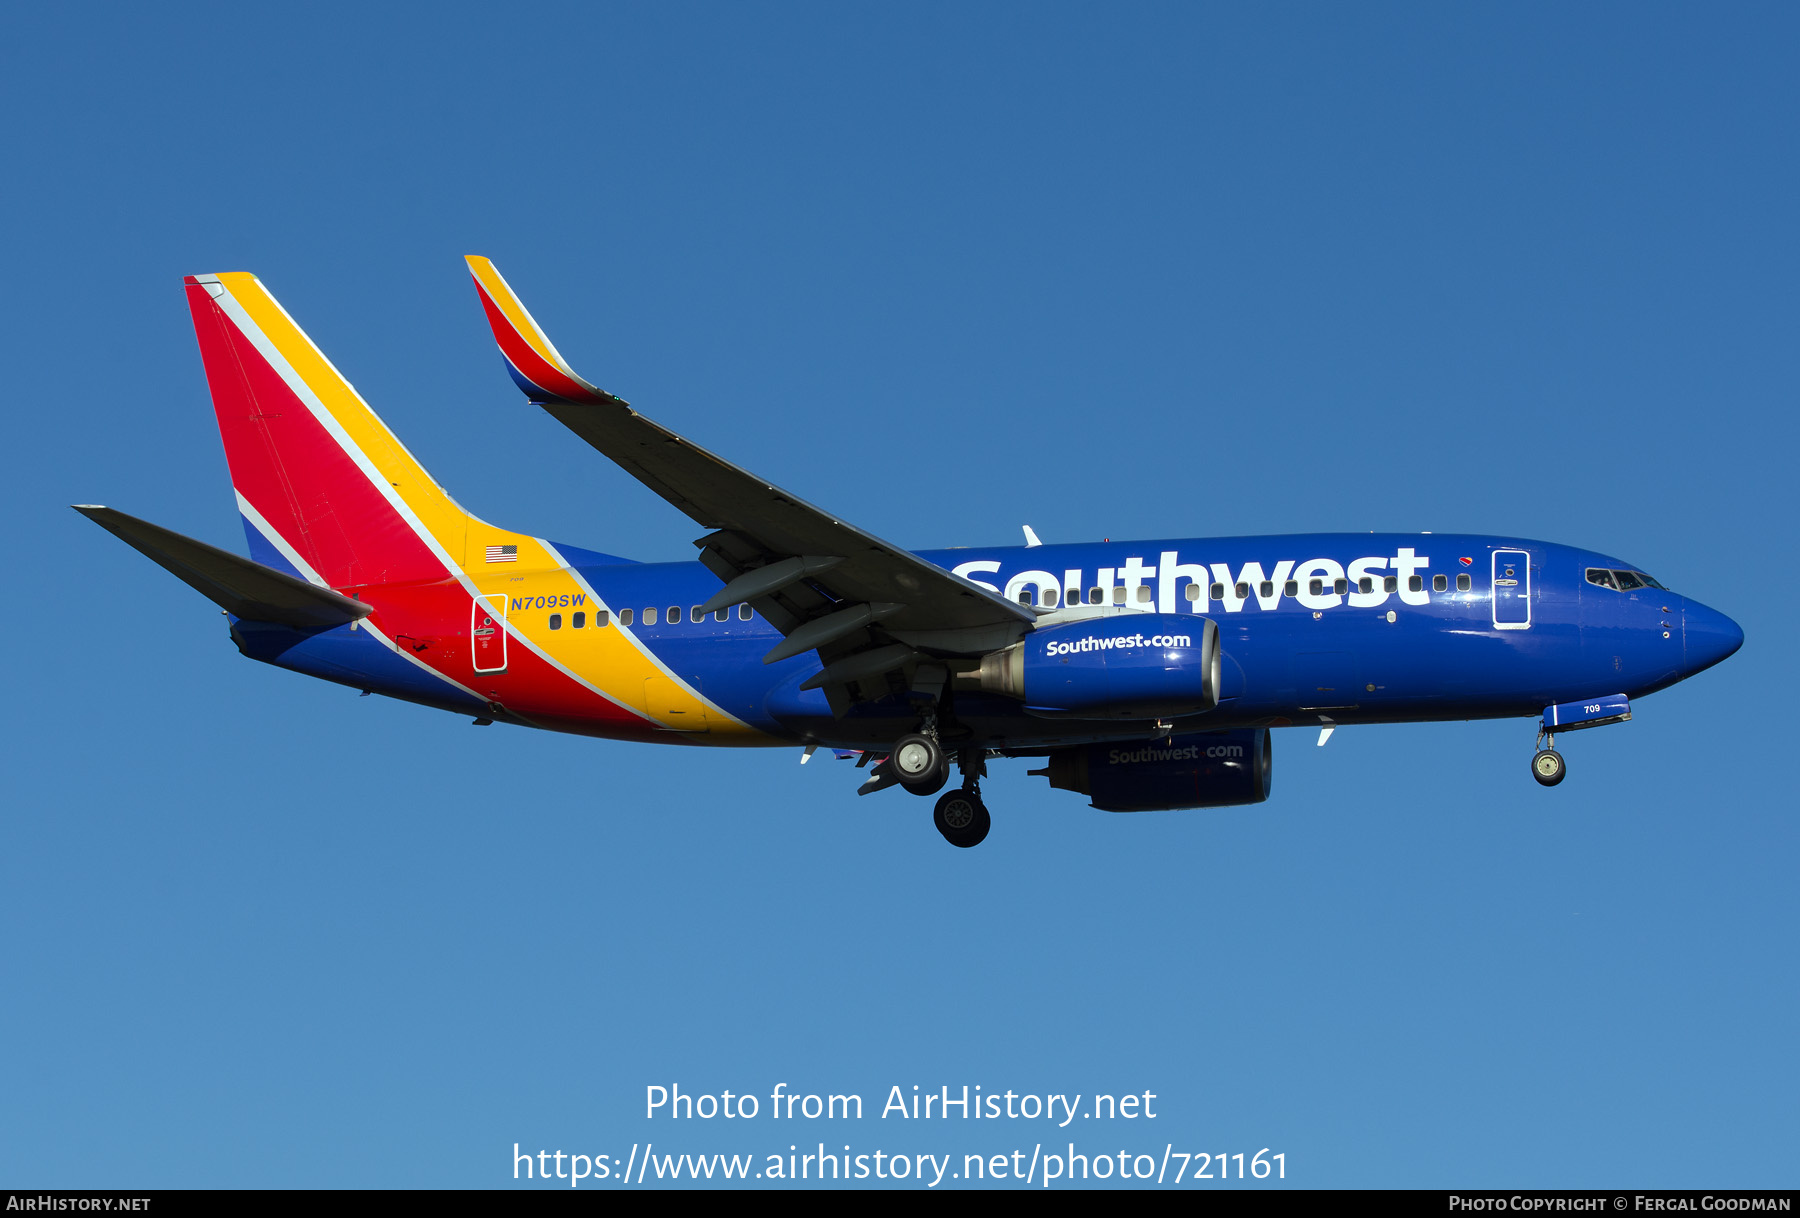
[{"x": 1146, "y": 674}]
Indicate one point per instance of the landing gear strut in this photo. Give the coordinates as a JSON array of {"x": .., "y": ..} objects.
[
  {"x": 1547, "y": 764},
  {"x": 961, "y": 816}
]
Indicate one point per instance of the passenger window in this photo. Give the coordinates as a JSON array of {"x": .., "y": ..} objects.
[
  {"x": 1193, "y": 592},
  {"x": 1024, "y": 596},
  {"x": 650, "y": 616},
  {"x": 694, "y": 613},
  {"x": 1267, "y": 589},
  {"x": 1218, "y": 592},
  {"x": 578, "y": 622},
  {"x": 1118, "y": 596},
  {"x": 556, "y": 621},
  {"x": 744, "y": 612},
  {"x": 600, "y": 618},
  {"x": 1242, "y": 590},
  {"x": 721, "y": 615},
  {"x": 1291, "y": 588},
  {"x": 1439, "y": 583},
  {"x": 1143, "y": 594},
  {"x": 1462, "y": 583},
  {"x": 1391, "y": 584},
  {"x": 1415, "y": 583},
  {"x": 1365, "y": 585},
  {"x": 1049, "y": 598},
  {"x": 1340, "y": 586},
  {"x": 674, "y": 614},
  {"x": 625, "y": 616},
  {"x": 1315, "y": 587},
  {"x": 1093, "y": 596}
]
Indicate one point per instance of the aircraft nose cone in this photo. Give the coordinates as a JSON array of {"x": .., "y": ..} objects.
[{"x": 1710, "y": 636}]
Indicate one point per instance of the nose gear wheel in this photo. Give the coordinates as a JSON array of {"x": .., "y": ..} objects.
[{"x": 1547, "y": 767}]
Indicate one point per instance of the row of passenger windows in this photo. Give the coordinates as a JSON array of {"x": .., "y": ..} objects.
[
  {"x": 652, "y": 615},
  {"x": 1097, "y": 596}
]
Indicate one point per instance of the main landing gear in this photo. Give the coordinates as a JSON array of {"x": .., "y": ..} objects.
[
  {"x": 920, "y": 763},
  {"x": 1547, "y": 764},
  {"x": 962, "y": 818},
  {"x": 960, "y": 815}
]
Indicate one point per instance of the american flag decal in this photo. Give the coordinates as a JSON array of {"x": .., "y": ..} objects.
[{"x": 503, "y": 553}]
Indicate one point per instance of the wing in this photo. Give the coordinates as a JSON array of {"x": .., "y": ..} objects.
[{"x": 877, "y": 614}]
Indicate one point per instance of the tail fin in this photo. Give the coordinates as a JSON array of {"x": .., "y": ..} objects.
[{"x": 326, "y": 490}]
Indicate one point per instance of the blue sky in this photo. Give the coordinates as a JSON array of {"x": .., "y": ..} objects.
[{"x": 1171, "y": 270}]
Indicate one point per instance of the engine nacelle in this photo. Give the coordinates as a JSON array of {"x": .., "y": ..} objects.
[
  {"x": 1128, "y": 666},
  {"x": 1197, "y": 770}
]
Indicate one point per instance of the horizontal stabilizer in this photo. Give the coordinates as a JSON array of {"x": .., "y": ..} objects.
[{"x": 237, "y": 585}]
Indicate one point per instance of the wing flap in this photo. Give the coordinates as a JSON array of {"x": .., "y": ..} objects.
[{"x": 240, "y": 587}]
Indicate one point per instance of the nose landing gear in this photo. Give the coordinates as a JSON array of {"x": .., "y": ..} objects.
[{"x": 1547, "y": 764}]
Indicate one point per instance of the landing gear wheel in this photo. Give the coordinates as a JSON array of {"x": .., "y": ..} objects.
[
  {"x": 1547, "y": 767},
  {"x": 962, "y": 818},
  {"x": 917, "y": 761},
  {"x": 928, "y": 788}
]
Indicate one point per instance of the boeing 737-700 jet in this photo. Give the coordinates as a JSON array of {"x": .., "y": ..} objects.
[{"x": 1145, "y": 675}]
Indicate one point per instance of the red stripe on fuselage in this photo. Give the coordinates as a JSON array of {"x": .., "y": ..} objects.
[{"x": 432, "y": 622}]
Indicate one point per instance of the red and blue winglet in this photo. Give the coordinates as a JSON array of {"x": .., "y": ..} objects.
[{"x": 531, "y": 358}]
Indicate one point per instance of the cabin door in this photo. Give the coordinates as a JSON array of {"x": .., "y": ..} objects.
[
  {"x": 1512, "y": 590},
  {"x": 487, "y": 633}
]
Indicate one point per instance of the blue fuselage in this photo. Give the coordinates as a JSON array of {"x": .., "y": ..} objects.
[{"x": 1356, "y": 628}]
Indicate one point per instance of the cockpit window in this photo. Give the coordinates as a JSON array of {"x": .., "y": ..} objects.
[{"x": 1622, "y": 581}]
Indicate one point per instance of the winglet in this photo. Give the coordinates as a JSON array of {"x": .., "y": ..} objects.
[{"x": 531, "y": 357}]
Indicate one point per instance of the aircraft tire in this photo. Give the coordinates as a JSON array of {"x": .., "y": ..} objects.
[
  {"x": 1548, "y": 768},
  {"x": 962, "y": 818},
  {"x": 917, "y": 760},
  {"x": 932, "y": 787}
]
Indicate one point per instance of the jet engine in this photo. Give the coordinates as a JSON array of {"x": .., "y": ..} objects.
[
  {"x": 1130, "y": 666},
  {"x": 1197, "y": 770}
]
